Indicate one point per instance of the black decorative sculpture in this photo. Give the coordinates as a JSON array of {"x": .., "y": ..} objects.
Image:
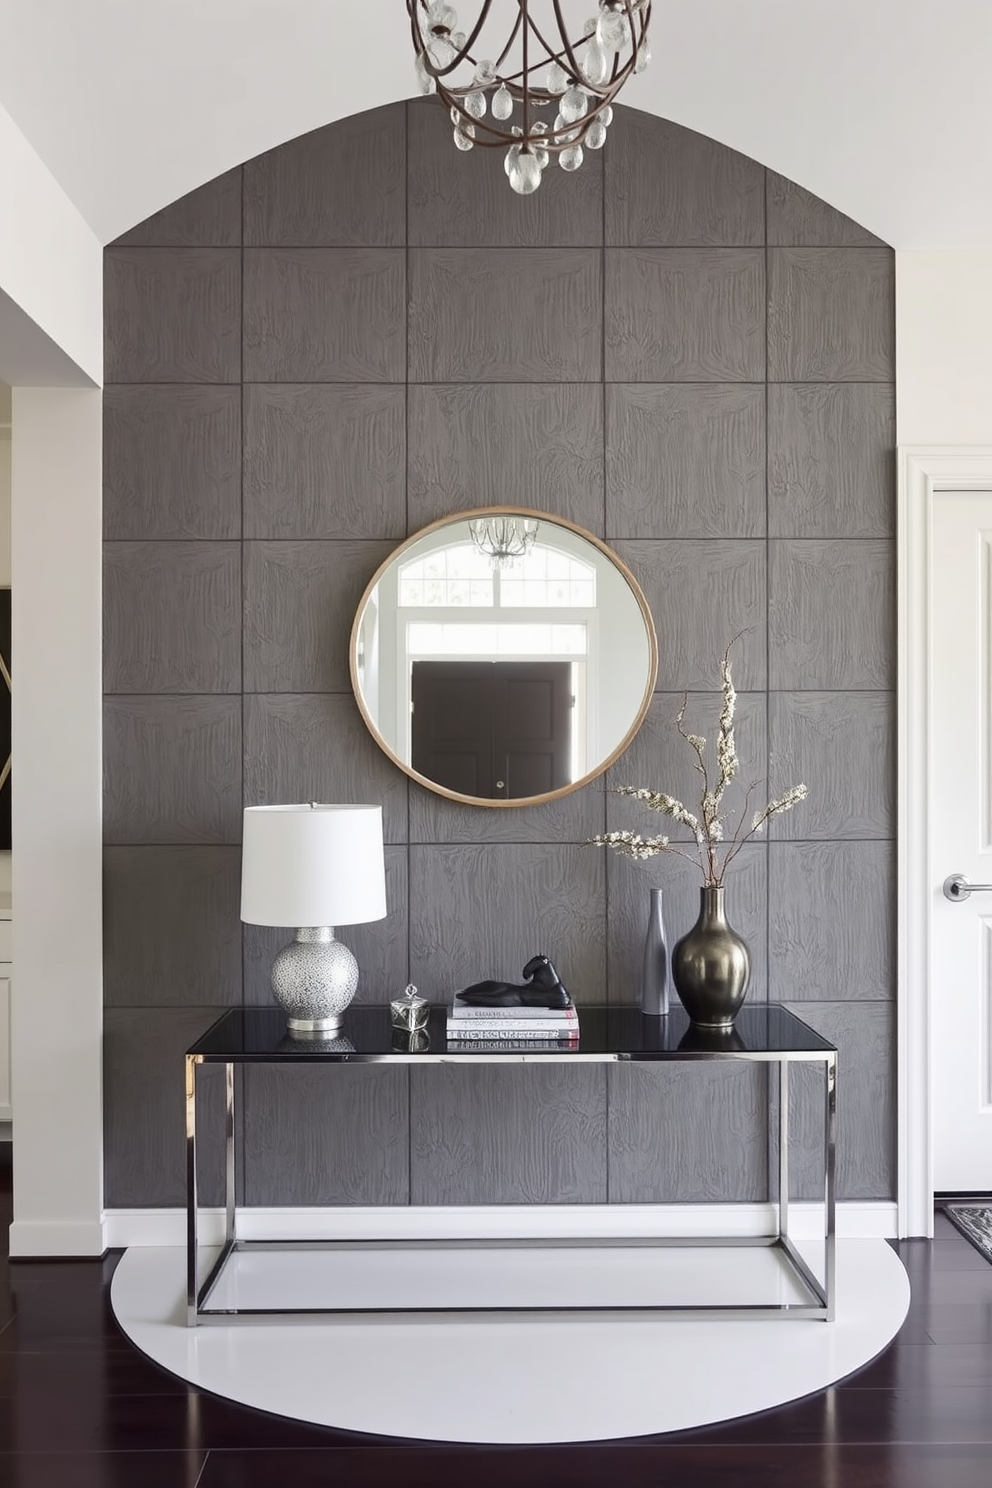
[{"x": 544, "y": 989}]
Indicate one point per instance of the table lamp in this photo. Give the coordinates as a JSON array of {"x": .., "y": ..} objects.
[{"x": 313, "y": 867}]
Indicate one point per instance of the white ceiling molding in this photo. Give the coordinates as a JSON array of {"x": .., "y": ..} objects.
[{"x": 878, "y": 106}]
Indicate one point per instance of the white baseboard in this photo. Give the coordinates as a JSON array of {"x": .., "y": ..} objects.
[
  {"x": 855, "y": 1221},
  {"x": 49, "y": 1239}
]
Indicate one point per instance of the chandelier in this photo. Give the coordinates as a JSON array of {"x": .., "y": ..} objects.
[
  {"x": 500, "y": 94},
  {"x": 502, "y": 539}
]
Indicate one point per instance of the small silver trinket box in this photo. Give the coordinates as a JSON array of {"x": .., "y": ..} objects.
[{"x": 409, "y": 1012}]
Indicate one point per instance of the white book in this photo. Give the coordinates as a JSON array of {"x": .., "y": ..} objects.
[
  {"x": 520, "y": 1034},
  {"x": 496, "y": 1045},
  {"x": 554, "y": 1016}
]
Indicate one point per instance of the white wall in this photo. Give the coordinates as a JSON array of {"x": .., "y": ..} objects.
[
  {"x": 944, "y": 348},
  {"x": 57, "y": 1013},
  {"x": 51, "y": 275}
]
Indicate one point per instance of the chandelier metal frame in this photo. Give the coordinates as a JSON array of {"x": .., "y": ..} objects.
[{"x": 485, "y": 131}]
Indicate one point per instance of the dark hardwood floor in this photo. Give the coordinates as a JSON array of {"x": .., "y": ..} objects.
[{"x": 81, "y": 1408}]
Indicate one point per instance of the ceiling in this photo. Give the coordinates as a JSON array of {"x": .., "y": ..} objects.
[{"x": 878, "y": 106}]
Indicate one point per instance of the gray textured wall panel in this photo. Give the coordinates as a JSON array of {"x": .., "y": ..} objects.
[
  {"x": 326, "y": 1136},
  {"x": 687, "y": 1134},
  {"x": 831, "y": 315},
  {"x": 797, "y": 218},
  {"x": 669, "y": 187},
  {"x": 486, "y": 444},
  {"x": 209, "y": 217},
  {"x": 172, "y": 617},
  {"x": 172, "y": 920},
  {"x": 338, "y": 187},
  {"x": 518, "y": 315},
  {"x": 530, "y": 1135},
  {"x": 326, "y": 461},
  {"x": 172, "y": 770},
  {"x": 685, "y": 460},
  {"x": 504, "y": 370},
  {"x": 831, "y": 614},
  {"x": 172, "y": 315},
  {"x": 831, "y": 457},
  {"x": 842, "y": 744},
  {"x": 702, "y": 595},
  {"x": 300, "y": 601},
  {"x": 685, "y": 315},
  {"x": 833, "y": 930},
  {"x": 324, "y": 315},
  {"x": 171, "y": 462}
]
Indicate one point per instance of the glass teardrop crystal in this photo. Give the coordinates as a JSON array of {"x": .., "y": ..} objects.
[
  {"x": 613, "y": 30},
  {"x": 573, "y": 105},
  {"x": 595, "y": 135},
  {"x": 571, "y": 159},
  {"x": 643, "y": 57},
  {"x": 502, "y": 104},
  {"x": 463, "y": 136},
  {"x": 485, "y": 74},
  {"x": 556, "y": 80},
  {"x": 425, "y": 81},
  {"x": 595, "y": 64},
  {"x": 442, "y": 15},
  {"x": 442, "y": 53},
  {"x": 475, "y": 104},
  {"x": 525, "y": 173}
]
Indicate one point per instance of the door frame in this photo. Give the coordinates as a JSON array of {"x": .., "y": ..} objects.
[{"x": 924, "y": 473}]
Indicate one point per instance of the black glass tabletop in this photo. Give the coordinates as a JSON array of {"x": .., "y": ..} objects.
[{"x": 605, "y": 1034}]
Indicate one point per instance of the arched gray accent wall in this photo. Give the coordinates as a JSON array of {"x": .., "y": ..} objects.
[{"x": 312, "y": 356}]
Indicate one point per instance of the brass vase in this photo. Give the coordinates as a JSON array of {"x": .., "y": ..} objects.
[{"x": 711, "y": 965}]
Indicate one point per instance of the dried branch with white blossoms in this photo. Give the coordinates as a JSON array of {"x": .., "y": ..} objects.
[{"x": 708, "y": 827}]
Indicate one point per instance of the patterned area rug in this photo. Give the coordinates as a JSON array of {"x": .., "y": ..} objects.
[{"x": 975, "y": 1225}]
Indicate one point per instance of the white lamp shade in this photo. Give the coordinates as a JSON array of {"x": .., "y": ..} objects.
[{"x": 312, "y": 865}]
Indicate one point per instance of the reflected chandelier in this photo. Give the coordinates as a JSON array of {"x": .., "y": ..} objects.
[
  {"x": 497, "y": 93},
  {"x": 502, "y": 539}
]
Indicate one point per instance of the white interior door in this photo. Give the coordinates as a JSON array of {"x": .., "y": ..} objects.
[{"x": 961, "y": 840}]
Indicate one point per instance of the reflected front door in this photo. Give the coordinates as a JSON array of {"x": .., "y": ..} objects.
[{"x": 496, "y": 730}]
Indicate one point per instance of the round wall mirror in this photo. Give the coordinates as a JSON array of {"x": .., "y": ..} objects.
[{"x": 503, "y": 657}]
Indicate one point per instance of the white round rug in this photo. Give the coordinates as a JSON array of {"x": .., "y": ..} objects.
[{"x": 512, "y": 1378}]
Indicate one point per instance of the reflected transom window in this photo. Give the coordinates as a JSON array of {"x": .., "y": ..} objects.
[{"x": 460, "y": 577}]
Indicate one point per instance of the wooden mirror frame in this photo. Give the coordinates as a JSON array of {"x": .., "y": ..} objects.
[{"x": 502, "y": 803}]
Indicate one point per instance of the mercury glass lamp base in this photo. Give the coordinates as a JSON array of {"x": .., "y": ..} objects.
[
  {"x": 314, "y": 979},
  {"x": 314, "y": 1025}
]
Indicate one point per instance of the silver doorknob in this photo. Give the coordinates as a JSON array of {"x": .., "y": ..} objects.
[{"x": 957, "y": 888}]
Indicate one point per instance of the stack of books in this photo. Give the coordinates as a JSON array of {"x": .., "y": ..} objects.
[{"x": 493, "y": 1028}]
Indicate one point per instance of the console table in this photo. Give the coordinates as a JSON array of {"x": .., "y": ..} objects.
[{"x": 764, "y": 1033}]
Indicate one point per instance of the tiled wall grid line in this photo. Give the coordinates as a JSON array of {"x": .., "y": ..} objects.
[{"x": 363, "y": 330}]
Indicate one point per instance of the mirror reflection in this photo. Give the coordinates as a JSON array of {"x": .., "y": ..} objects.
[{"x": 503, "y": 656}]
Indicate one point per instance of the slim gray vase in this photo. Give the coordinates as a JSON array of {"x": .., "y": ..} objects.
[
  {"x": 711, "y": 965},
  {"x": 656, "y": 968}
]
